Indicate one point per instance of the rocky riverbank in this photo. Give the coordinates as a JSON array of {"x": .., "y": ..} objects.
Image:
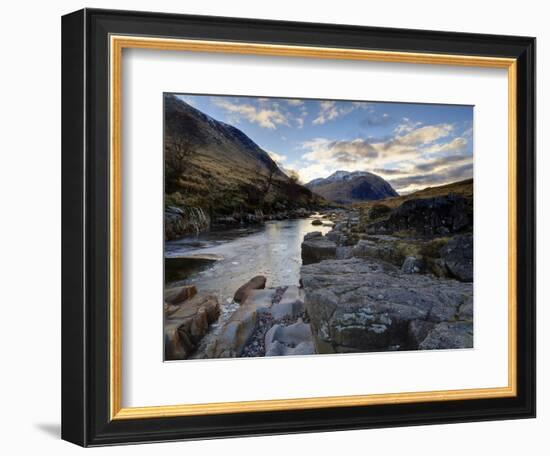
[
  {"x": 392, "y": 279},
  {"x": 382, "y": 279},
  {"x": 183, "y": 221}
]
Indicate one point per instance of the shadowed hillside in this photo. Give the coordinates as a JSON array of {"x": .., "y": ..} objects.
[{"x": 217, "y": 170}]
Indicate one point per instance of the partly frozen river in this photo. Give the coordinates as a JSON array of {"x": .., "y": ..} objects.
[{"x": 272, "y": 250}]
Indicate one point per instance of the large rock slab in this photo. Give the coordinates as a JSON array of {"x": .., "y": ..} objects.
[
  {"x": 318, "y": 248},
  {"x": 185, "y": 327},
  {"x": 366, "y": 305}
]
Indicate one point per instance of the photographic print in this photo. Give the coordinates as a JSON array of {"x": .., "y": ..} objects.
[{"x": 304, "y": 227}]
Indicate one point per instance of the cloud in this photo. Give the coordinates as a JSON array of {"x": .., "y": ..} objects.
[
  {"x": 278, "y": 158},
  {"x": 422, "y": 135},
  {"x": 330, "y": 110},
  {"x": 442, "y": 162},
  {"x": 295, "y": 102},
  {"x": 388, "y": 172},
  {"x": 339, "y": 151},
  {"x": 414, "y": 156},
  {"x": 267, "y": 115},
  {"x": 416, "y": 182},
  {"x": 458, "y": 144},
  {"x": 373, "y": 119},
  {"x": 406, "y": 126}
]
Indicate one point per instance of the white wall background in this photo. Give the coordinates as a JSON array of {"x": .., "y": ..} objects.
[{"x": 30, "y": 192}]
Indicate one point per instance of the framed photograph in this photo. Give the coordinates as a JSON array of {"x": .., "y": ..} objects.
[{"x": 279, "y": 227}]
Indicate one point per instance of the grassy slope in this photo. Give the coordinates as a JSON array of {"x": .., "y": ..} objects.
[{"x": 226, "y": 171}]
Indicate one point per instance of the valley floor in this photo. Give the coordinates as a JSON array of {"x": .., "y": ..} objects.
[{"x": 372, "y": 279}]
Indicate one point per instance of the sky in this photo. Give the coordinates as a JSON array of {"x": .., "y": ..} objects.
[{"x": 412, "y": 146}]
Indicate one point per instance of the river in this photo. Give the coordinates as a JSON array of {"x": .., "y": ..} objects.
[{"x": 272, "y": 250}]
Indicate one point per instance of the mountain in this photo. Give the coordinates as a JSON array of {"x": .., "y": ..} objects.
[
  {"x": 344, "y": 187},
  {"x": 216, "y": 167}
]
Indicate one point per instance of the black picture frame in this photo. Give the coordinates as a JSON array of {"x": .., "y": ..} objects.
[{"x": 85, "y": 225}]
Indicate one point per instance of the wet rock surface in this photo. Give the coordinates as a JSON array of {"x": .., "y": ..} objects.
[
  {"x": 256, "y": 283},
  {"x": 187, "y": 323},
  {"x": 269, "y": 323}
]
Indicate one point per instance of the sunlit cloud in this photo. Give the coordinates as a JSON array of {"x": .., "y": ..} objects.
[
  {"x": 415, "y": 155},
  {"x": 268, "y": 116},
  {"x": 295, "y": 102},
  {"x": 278, "y": 158},
  {"x": 330, "y": 110}
]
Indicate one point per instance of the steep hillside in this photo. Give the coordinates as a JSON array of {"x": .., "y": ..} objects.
[
  {"x": 214, "y": 166},
  {"x": 345, "y": 187}
]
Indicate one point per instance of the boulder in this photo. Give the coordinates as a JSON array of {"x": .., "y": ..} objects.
[
  {"x": 295, "y": 339},
  {"x": 413, "y": 265},
  {"x": 185, "y": 327},
  {"x": 448, "y": 335},
  {"x": 291, "y": 304},
  {"x": 312, "y": 235},
  {"x": 256, "y": 283},
  {"x": 317, "y": 222},
  {"x": 236, "y": 332},
  {"x": 418, "y": 330},
  {"x": 458, "y": 256},
  {"x": 317, "y": 249},
  {"x": 344, "y": 252},
  {"x": 386, "y": 251},
  {"x": 179, "y": 294},
  {"x": 358, "y": 305},
  {"x": 339, "y": 237}
]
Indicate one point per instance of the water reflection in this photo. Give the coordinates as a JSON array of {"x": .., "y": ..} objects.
[{"x": 273, "y": 250}]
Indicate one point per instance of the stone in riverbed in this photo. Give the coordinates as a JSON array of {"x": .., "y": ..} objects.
[
  {"x": 368, "y": 305},
  {"x": 256, "y": 283},
  {"x": 236, "y": 332},
  {"x": 179, "y": 294},
  {"x": 291, "y": 304},
  {"x": 295, "y": 339},
  {"x": 313, "y": 234},
  {"x": 316, "y": 249},
  {"x": 317, "y": 222},
  {"x": 185, "y": 327}
]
